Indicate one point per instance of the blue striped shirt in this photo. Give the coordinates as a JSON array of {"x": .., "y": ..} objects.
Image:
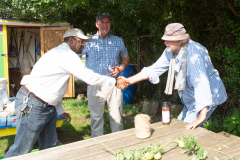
[
  {"x": 102, "y": 53},
  {"x": 204, "y": 86}
]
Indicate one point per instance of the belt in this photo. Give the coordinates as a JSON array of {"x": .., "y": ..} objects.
[{"x": 26, "y": 91}]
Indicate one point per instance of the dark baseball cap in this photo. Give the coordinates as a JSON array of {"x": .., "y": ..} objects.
[{"x": 103, "y": 14}]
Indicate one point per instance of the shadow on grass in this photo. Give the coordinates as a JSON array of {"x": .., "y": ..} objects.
[{"x": 69, "y": 133}]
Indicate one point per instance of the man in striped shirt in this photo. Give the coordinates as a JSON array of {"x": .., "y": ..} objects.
[
  {"x": 102, "y": 56},
  {"x": 199, "y": 86}
]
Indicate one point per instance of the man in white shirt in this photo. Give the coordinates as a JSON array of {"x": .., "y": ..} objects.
[{"x": 40, "y": 98}]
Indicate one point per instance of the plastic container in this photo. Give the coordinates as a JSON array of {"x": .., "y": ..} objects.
[
  {"x": 11, "y": 121},
  {"x": 128, "y": 93},
  {"x": 59, "y": 118},
  {"x": 3, "y": 92},
  {"x": 11, "y": 99},
  {"x": 1, "y": 101},
  {"x": 59, "y": 121},
  {"x": 2, "y": 122},
  {"x": 11, "y": 106}
]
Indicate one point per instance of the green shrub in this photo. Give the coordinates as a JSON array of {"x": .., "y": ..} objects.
[
  {"x": 232, "y": 123},
  {"x": 212, "y": 125}
]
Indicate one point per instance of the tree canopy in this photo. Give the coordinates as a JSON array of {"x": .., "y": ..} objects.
[
  {"x": 213, "y": 23},
  {"x": 129, "y": 17}
]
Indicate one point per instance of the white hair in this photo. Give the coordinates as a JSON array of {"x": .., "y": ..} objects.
[{"x": 185, "y": 41}]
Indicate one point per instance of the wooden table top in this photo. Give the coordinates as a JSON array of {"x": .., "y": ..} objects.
[{"x": 90, "y": 149}]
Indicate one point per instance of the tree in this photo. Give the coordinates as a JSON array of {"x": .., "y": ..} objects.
[{"x": 213, "y": 23}]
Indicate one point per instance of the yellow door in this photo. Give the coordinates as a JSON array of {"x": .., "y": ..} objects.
[
  {"x": 50, "y": 38},
  {"x": 3, "y": 54}
]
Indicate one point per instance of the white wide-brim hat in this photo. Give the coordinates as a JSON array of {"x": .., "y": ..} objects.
[
  {"x": 78, "y": 33},
  {"x": 175, "y": 32}
]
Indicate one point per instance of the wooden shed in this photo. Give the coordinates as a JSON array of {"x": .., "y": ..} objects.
[{"x": 25, "y": 36}]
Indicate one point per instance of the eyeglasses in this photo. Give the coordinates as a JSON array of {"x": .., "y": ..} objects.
[{"x": 105, "y": 22}]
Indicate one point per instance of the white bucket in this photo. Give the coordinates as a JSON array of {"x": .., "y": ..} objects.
[
  {"x": 3, "y": 92},
  {"x": 1, "y": 101}
]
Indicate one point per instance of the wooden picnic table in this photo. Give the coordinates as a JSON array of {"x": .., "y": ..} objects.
[{"x": 90, "y": 149}]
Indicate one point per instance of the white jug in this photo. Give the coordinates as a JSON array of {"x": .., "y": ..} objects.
[
  {"x": 3, "y": 92},
  {"x": 1, "y": 101}
]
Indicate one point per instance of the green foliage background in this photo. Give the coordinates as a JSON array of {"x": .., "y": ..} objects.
[
  {"x": 213, "y": 23},
  {"x": 131, "y": 17}
]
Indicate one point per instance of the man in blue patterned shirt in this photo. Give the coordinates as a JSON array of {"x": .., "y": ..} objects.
[
  {"x": 102, "y": 56},
  {"x": 199, "y": 86}
]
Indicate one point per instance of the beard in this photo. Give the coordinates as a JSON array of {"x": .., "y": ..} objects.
[
  {"x": 173, "y": 49},
  {"x": 169, "y": 49},
  {"x": 80, "y": 50}
]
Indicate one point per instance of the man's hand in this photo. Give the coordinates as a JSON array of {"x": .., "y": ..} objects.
[
  {"x": 199, "y": 120},
  {"x": 122, "y": 83},
  {"x": 193, "y": 125},
  {"x": 116, "y": 71},
  {"x": 67, "y": 116}
]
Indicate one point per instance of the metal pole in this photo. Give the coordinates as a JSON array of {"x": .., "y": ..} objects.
[{"x": 138, "y": 62}]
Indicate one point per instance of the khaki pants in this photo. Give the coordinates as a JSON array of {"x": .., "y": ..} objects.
[{"x": 97, "y": 96}]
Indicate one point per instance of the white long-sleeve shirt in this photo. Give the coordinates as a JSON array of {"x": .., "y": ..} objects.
[{"x": 49, "y": 78}]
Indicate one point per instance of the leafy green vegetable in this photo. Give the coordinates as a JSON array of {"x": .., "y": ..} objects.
[
  {"x": 149, "y": 156},
  {"x": 181, "y": 144},
  {"x": 138, "y": 154},
  {"x": 187, "y": 142},
  {"x": 157, "y": 156}
]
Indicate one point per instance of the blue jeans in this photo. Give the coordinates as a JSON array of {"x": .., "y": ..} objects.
[
  {"x": 39, "y": 124},
  {"x": 190, "y": 116}
]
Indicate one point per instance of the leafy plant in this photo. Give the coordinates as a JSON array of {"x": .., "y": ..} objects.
[
  {"x": 157, "y": 95},
  {"x": 138, "y": 153},
  {"x": 229, "y": 57},
  {"x": 175, "y": 98},
  {"x": 187, "y": 142},
  {"x": 232, "y": 123},
  {"x": 213, "y": 125}
]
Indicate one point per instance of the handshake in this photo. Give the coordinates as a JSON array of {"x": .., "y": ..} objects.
[{"x": 122, "y": 83}]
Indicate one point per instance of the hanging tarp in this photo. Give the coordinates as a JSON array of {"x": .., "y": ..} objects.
[{"x": 12, "y": 51}]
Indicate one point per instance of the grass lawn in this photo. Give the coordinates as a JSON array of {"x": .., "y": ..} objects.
[{"x": 79, "y": 128}]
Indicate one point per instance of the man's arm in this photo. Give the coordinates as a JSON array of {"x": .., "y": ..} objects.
[
  {"x": 72, "y": 64},
  {"x": 199, "y": 120},
  {"x": 199, "y": 78},
  {"x": 137, "y": 78},
  {"x": 125, "y": 62},
  {"x": 131, "y": 80},
  {"x": 118, "y": 69},
  {"x": 66, "y": 116},
  {"x": 152, "y": 72},
  {"x": 61, "y": 112}
]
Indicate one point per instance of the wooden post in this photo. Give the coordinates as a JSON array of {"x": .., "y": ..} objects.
[
  {"x": 154, "y": 107},
  {"x": 175, "y": 109},
  {"x": 146, "y": 107}
]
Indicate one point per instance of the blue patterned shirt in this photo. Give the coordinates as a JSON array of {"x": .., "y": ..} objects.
[
  {"x": 102, "y": 53},
  {"x": 204, "y": 86}
]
